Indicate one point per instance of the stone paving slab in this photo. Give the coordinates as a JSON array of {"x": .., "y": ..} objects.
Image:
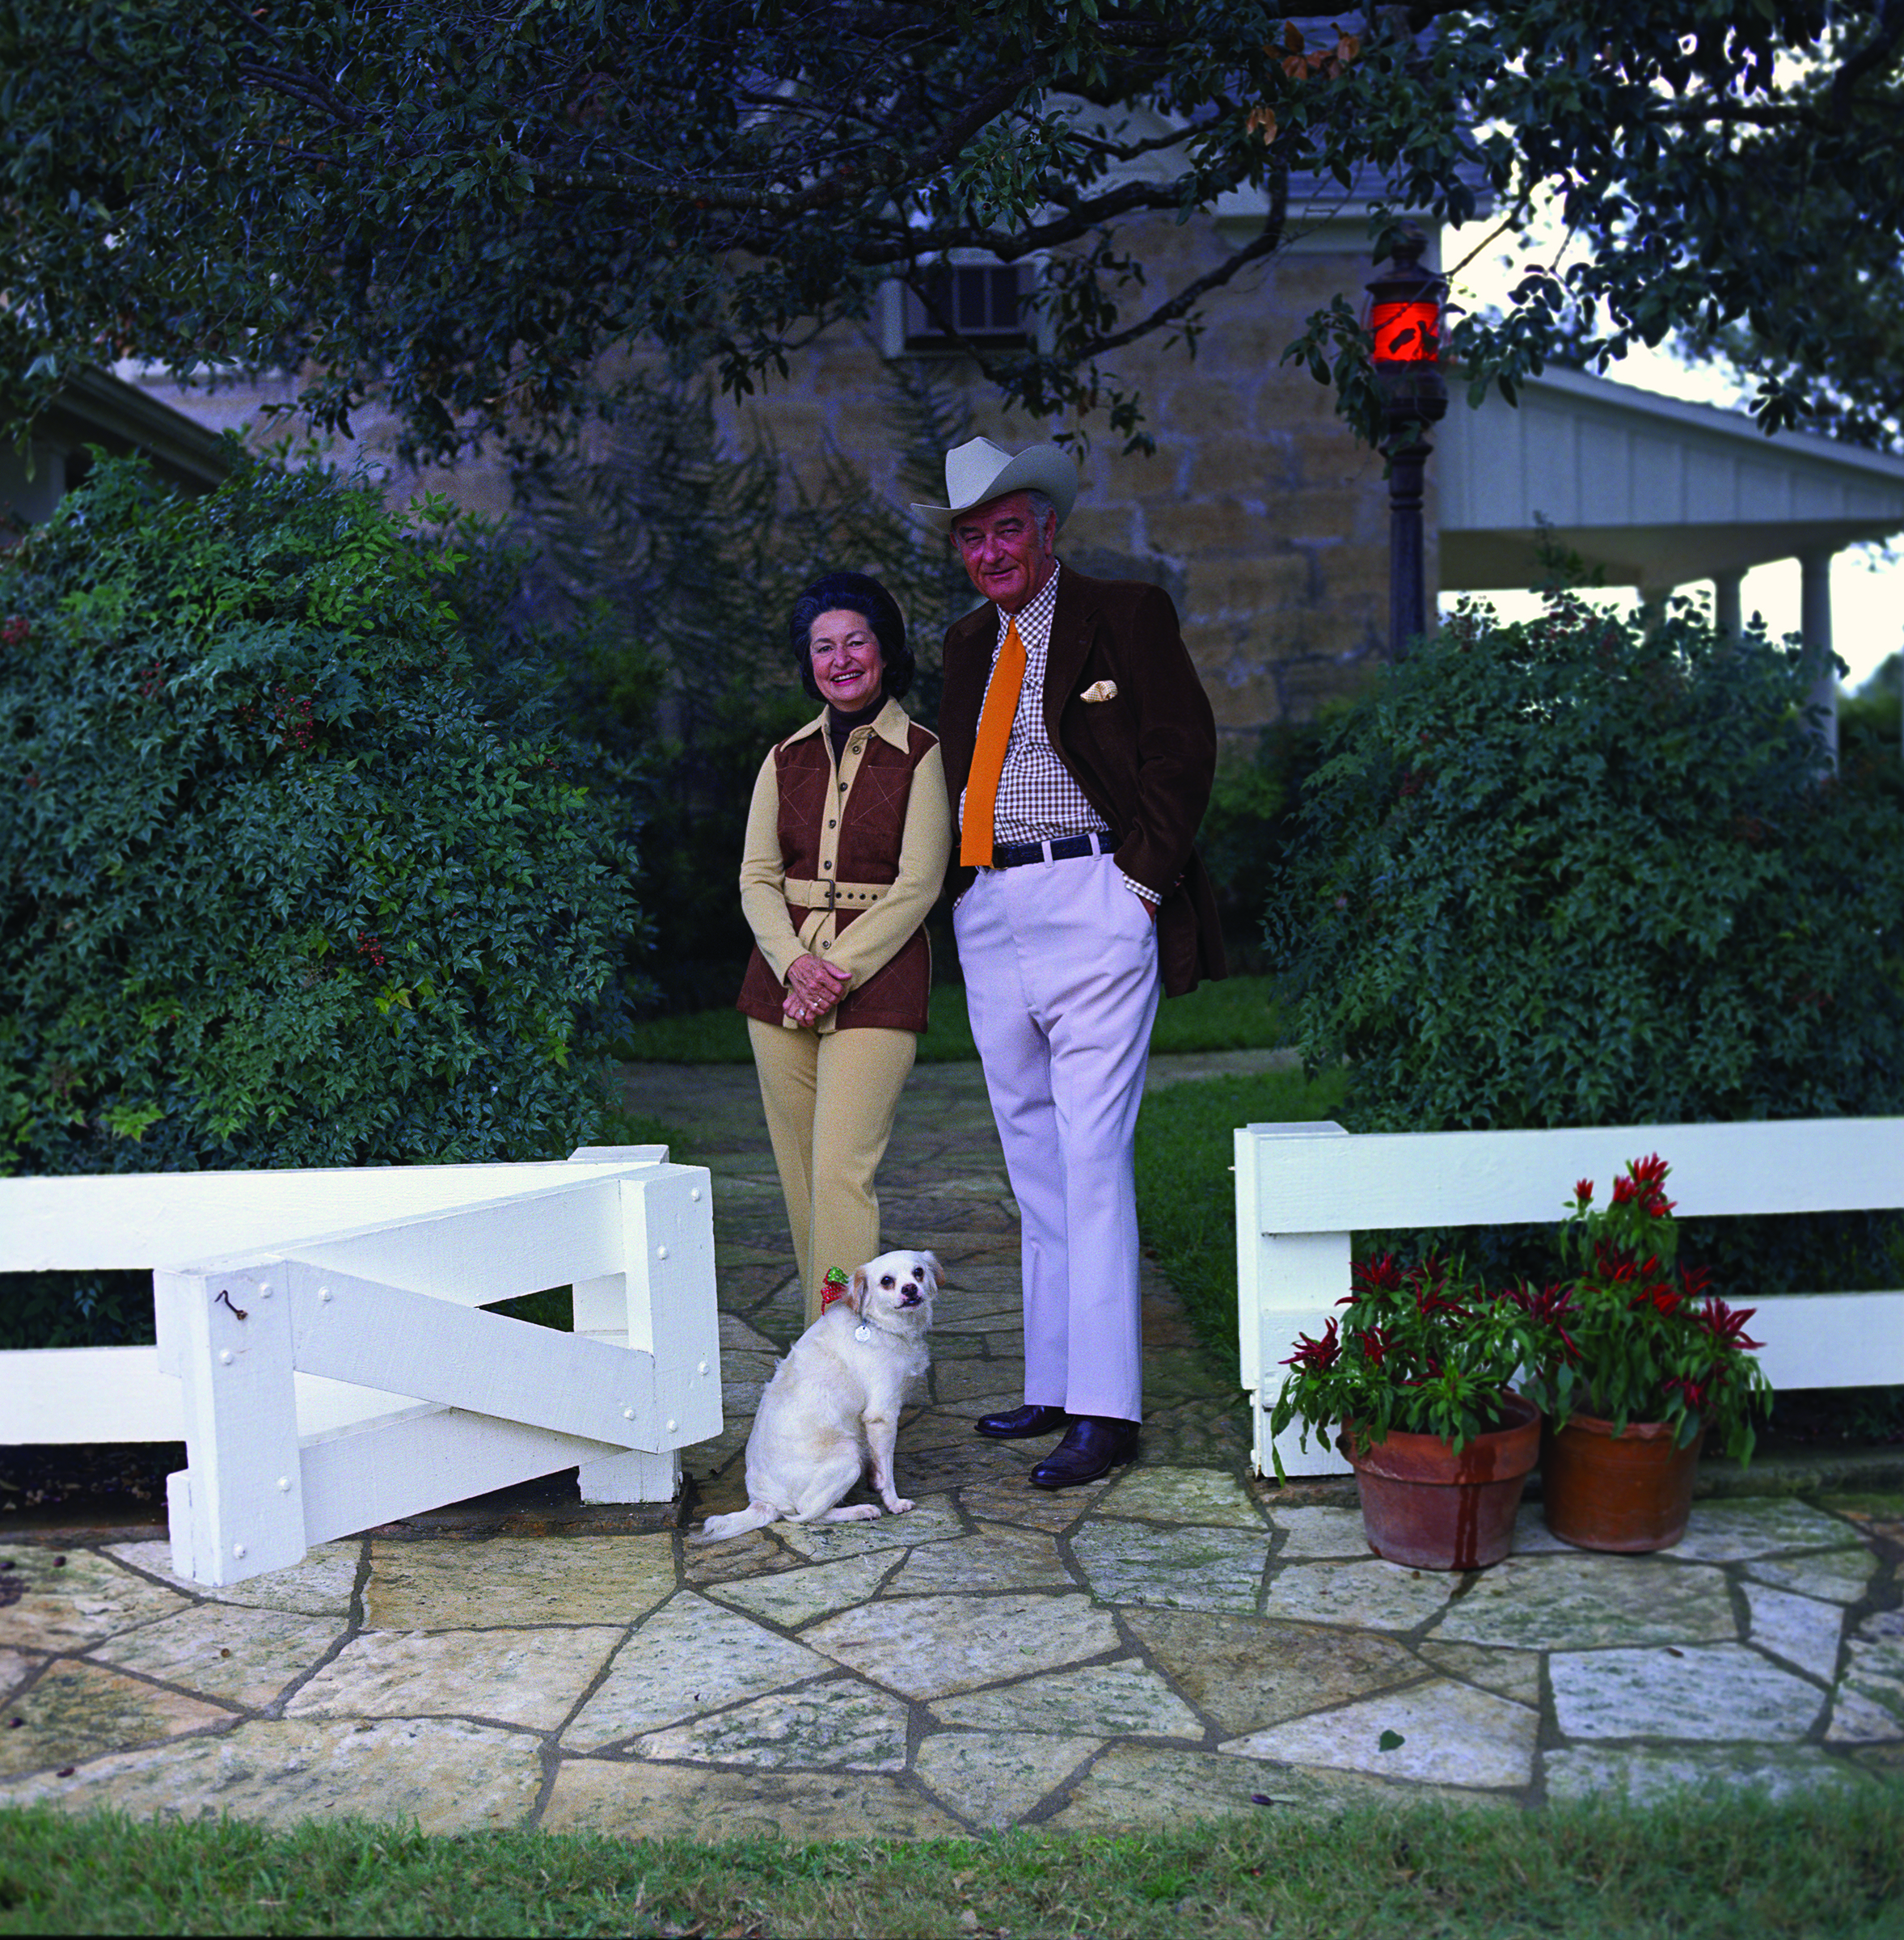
[
  {"x": 699, "y": 1802},
  {"x": 75, "y": 1711},
  {"x": 1576, "y": 1602},
  {"x": 995, "y": 1779},
  {"x": 238, "y": 1655},
  {"x": 1797, "y": 1631},
  {"x": 1122, "y": 1700},
  {"x": 691, "y": 1656},
  {"x": 1242, "y": 1672},
  {"x": 839, "y": 1723},
  {"x": 67, "y": 1600},
  {"x": 1448, "y": 1733},
  {"x": 1646, "y": 1773},
  {"x": 449, "y": 1775},
  {"x": 932, "y": 1645},
  {"x": 531, "y": 1678},
  {"x": 1178, "y": 1641},
  {"x": 321, "y": 1585},
  {"x": 1699, "y": 1691},
  {"x": 509, "y": 1581}
]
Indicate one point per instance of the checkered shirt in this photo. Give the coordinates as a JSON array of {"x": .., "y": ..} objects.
[{"x": 1038, "y": 801}]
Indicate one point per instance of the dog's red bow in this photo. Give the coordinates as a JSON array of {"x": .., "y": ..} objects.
[{"x": 834, "y": 1289}]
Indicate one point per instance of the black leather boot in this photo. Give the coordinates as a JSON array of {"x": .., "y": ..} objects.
[
  {"x": 1021, "y": 1422},
  {"x": 1093, "y": 1446}
]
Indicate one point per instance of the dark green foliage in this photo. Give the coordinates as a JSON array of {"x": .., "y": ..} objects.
[
  {"x": 676, "y": 562},
  {"x": 1186, "y": 1193},
  {"x": 1870, "y": 737},
  {"x": 479, "y": 211},
  {"x": 75, "y": 1310},
  {"x": 1573, "y": 872},
  {"x": 299, "y": 871},
  {"x": 1579, "y": 872},
  {"x": 1249, "y": 824}
]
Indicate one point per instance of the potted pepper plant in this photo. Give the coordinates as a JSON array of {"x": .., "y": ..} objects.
[
  {"x": 1417, "y": 1374},
  {"x": 1634, "y": 1365}
]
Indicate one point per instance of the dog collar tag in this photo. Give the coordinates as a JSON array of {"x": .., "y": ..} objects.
[{"x": 862, "y": 1332}]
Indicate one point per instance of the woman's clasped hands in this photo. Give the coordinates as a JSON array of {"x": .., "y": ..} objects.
[{"x": 813, "y": 987}]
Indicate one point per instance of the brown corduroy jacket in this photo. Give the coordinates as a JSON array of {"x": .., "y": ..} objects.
[{"x": 1145, "y": 758}]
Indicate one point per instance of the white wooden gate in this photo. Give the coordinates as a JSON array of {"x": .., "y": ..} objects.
[
  {"x": 1302, "y": 1189},
  {"x": 321, "y": 1358}
]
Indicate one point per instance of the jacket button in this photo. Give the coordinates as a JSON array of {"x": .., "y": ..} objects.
[{"x": 833, "y": 824}]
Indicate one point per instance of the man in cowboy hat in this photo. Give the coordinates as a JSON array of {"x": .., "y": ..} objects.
[{"x": 1079, "y": 749}]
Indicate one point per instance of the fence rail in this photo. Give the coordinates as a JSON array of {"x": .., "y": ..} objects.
[
  {"x": 322, "y": 1355},
  {"x": 1301, "y": 1189}
]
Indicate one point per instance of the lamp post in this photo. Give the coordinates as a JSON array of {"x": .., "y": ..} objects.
[{"x": 1404, "y": 317}]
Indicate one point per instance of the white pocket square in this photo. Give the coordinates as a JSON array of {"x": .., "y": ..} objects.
[{"x": 1100, "y": 690}]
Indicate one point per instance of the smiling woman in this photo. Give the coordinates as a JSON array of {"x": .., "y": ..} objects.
[{"x": 847, "y": 840}]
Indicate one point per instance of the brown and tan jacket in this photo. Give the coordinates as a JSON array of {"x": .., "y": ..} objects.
[
  {"x": 843, "y": 864},
  {"x": 1145, "y": 754}
]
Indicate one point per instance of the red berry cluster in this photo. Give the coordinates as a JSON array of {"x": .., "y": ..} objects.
[
  {"x": 15, "y": 631},
  {"x": 368, "y": 946},
  {"x": 293, "y": 714}
]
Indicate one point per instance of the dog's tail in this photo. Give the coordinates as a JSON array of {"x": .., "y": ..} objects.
[{"x": 717, "y": 1529}]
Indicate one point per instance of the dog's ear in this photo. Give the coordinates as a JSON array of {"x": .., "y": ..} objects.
[
  {"x": 857, "y": 1296},
  {"x": 934, "y": 1269}
]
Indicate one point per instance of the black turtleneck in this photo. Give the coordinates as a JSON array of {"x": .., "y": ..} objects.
[{"x": 839, "y": 727}]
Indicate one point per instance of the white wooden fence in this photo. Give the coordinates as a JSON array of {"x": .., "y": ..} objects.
[
  {"x": 1302, "y": 1189},
  {"x": 320, "y": 1356}
]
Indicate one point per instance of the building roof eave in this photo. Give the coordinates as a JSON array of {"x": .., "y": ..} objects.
[{"x": 92, "y": 406}]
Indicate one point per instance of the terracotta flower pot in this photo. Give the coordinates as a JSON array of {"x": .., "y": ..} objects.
[
  {"x": 1627, "y": 1492},
  {"x": 1428, "y": 1508}
]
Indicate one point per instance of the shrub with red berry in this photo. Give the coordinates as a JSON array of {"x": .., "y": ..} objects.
[
  {"x": 1627, "y": 1335},
  {"x": 300, "y": 870}
]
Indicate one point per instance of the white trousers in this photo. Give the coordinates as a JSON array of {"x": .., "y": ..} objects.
[{"x": 1060, "y": 962}]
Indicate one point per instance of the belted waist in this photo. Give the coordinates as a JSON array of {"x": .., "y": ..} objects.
[
  {"x": 1014, "y": 855},
  {"x": 809, "y": 892}
]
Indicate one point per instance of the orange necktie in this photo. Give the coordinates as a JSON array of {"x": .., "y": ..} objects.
[{"x": 988, "y": 755}]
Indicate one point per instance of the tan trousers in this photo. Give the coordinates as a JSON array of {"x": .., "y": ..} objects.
[{"x": 829, "y": 1098}]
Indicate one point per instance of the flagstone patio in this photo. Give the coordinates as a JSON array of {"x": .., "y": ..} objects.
[{"x": 1177, "y": 1641}]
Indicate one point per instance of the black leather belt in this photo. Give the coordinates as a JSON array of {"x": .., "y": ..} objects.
[{"x": 1013, "y": 855}]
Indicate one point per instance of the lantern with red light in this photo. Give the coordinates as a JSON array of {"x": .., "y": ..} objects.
[{"x": 1404, "y": 317}]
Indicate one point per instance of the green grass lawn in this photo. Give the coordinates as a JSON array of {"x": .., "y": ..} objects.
[
  {"x": 1234, "y": 1015},
  {"x": 1695, "y": 1869},
  {"x": 1186, "y": 1191}
]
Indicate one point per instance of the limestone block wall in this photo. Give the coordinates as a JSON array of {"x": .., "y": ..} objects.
[{"x": 1258, "y": 511}]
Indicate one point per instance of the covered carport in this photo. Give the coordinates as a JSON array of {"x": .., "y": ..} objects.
[{"x": 1655, "y": 492}]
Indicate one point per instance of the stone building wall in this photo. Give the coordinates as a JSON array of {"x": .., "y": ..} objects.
[{"x": 1258, "y": 511}]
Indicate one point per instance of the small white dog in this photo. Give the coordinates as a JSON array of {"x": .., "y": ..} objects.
[{"x": 834, "y": 1401}]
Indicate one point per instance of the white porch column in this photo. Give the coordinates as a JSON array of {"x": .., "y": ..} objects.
[{"x": 1815, "y": 629}]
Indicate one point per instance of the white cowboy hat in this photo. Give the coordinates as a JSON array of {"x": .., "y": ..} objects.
[{"x": 979, "y": 471}]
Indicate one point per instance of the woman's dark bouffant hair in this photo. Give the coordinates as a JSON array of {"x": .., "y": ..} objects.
[{"x": 852, "y": 592}]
